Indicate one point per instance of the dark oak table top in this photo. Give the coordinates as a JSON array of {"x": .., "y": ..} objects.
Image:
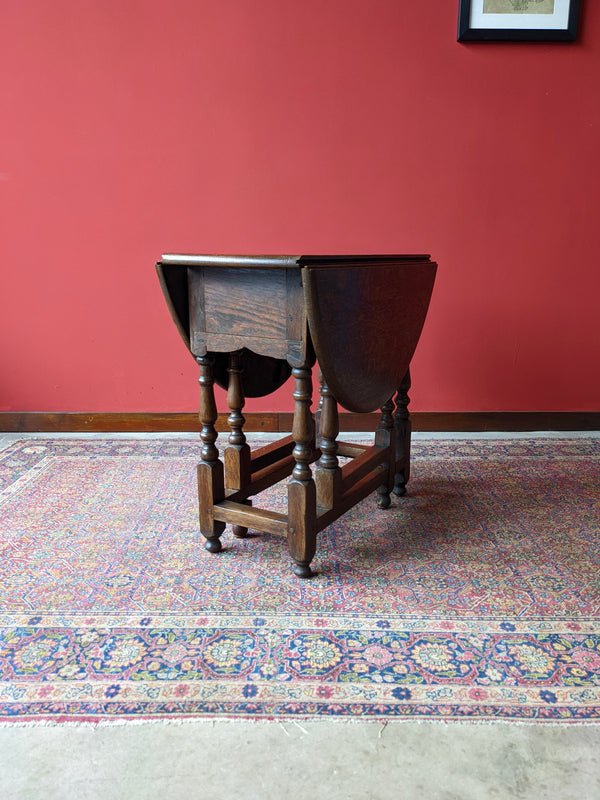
[
  {"x": 360, "y": 316},
  {"x": 272, "y": 261}
]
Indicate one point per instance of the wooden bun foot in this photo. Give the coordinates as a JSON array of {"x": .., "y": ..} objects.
[
  {"x": 383, "y": 501},
  {"x": 303, "y": 571}
]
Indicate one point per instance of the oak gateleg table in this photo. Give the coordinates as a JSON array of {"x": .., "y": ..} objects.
[{"x": 251, "y": 322}]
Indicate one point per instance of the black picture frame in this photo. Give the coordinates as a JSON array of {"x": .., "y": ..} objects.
[{"x": 494, "y": 33}]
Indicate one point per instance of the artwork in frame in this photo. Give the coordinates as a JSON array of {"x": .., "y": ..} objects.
[{"x": 518, "y": 20}]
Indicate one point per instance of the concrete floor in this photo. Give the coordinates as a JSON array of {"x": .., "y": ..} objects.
[
  {"x": 333, "y": 760},
  {"x": 330, "y": 759}
]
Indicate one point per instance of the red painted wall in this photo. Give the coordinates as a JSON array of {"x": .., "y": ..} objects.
[{"x": 136, "y": 127}]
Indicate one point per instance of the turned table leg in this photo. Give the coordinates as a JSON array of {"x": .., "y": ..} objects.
[
  {"x": 384, "y": 437},
  {"x": 211, "y": 487},
  {"x": 237, "y": 453},
  {"x": 403, "y": 435},
  {"x": 302, "y": 500},
  {"x": 328, "y": 475}
]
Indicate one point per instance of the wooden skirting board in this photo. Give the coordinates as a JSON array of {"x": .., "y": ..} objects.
[{"x": 478, "y": 421}]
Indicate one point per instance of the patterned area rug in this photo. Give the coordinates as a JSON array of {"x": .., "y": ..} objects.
[{"x": 476, "y": 597}]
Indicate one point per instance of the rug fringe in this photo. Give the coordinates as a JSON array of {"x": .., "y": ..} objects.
[{"x": 310, "y": 721}]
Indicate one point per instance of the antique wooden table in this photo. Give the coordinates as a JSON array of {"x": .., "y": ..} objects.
[{"x": 250, "y": 322}]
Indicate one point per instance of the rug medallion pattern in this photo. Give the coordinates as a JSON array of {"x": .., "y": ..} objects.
[{"x": 477, "y": 596}]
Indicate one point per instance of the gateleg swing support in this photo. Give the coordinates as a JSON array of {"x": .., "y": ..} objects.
[{"x": 315, "y": 499}]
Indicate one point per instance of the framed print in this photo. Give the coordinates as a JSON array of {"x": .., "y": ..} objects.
[{"x": 518, "y": 20}]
